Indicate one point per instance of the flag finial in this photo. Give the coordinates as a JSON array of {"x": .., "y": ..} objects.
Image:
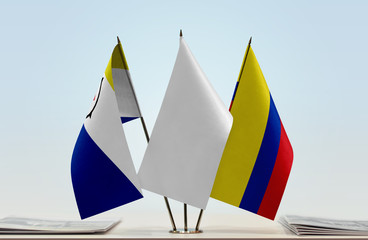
[
  {"x": 250, "y": 41},
  {"x": 118, "y": 39},
  {"x": 181, "y": 33}
]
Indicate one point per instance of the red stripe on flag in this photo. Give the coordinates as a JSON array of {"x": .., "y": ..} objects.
[
  {"x": 276, "y": 186},
  {"x": 231, "y": 104}
]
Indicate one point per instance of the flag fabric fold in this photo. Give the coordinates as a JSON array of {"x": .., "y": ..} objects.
[
  {"x": 258, "y": 156},
  {"x": 188, "y": 138},
  {"x": 102, "y": 170},
  {"x": 118, "y": 75}
]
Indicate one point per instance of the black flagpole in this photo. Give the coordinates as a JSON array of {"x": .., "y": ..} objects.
[
  {"x": 243, "y": 64},
  {"x": 165, "y": 198},
  {"x": 185, "y": 205},
  {"x": 147, "y": 138},
  {"x": 241, "y": 72},
  {"x": 199, "y": 220}
]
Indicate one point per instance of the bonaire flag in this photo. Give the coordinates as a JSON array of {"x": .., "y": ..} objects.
[
  {"x": 102, "y": 169},
  {"x": 257, "y": 158}
]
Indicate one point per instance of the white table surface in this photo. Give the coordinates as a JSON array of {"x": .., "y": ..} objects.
[{"x": 214, "y": 227}]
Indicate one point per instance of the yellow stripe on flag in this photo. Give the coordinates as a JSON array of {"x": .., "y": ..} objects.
[
  {"x": 250, "y": 113},
  {"x": 108, "y": 74},
  {"x": 117, "y": 60}
]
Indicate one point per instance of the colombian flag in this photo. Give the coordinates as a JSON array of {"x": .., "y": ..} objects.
[{"x": 257, "y": 158}]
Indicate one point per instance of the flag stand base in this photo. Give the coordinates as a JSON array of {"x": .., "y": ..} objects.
[
  {"x": 182, "y": 231},
  {"x": 186, "y": 230}
]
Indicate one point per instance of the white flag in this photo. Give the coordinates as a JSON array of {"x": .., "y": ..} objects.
[{"x": 188, "y": 138}]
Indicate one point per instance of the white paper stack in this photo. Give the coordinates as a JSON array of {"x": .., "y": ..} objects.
[
  {"x": 43, "y": 226},
  {"x": 321, "y": 226}
]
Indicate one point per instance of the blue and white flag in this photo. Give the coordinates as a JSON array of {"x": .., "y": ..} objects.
[{"x": 102, "y": 169}]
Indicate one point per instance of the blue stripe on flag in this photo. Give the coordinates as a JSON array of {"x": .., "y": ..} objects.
[
  {"x": 236, "y": 88},
  {"x": 98, "y": 183},
  {"x": 264, "y": 164},
  {"x": 127, "y": 119}
]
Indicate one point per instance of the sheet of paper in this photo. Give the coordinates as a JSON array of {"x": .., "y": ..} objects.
[
  {"x": 34, "y": 225},
  {"x": 301, "y": 225}
]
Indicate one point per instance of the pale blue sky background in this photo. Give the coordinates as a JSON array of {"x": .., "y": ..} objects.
[{"x": 313, "y": 55}]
